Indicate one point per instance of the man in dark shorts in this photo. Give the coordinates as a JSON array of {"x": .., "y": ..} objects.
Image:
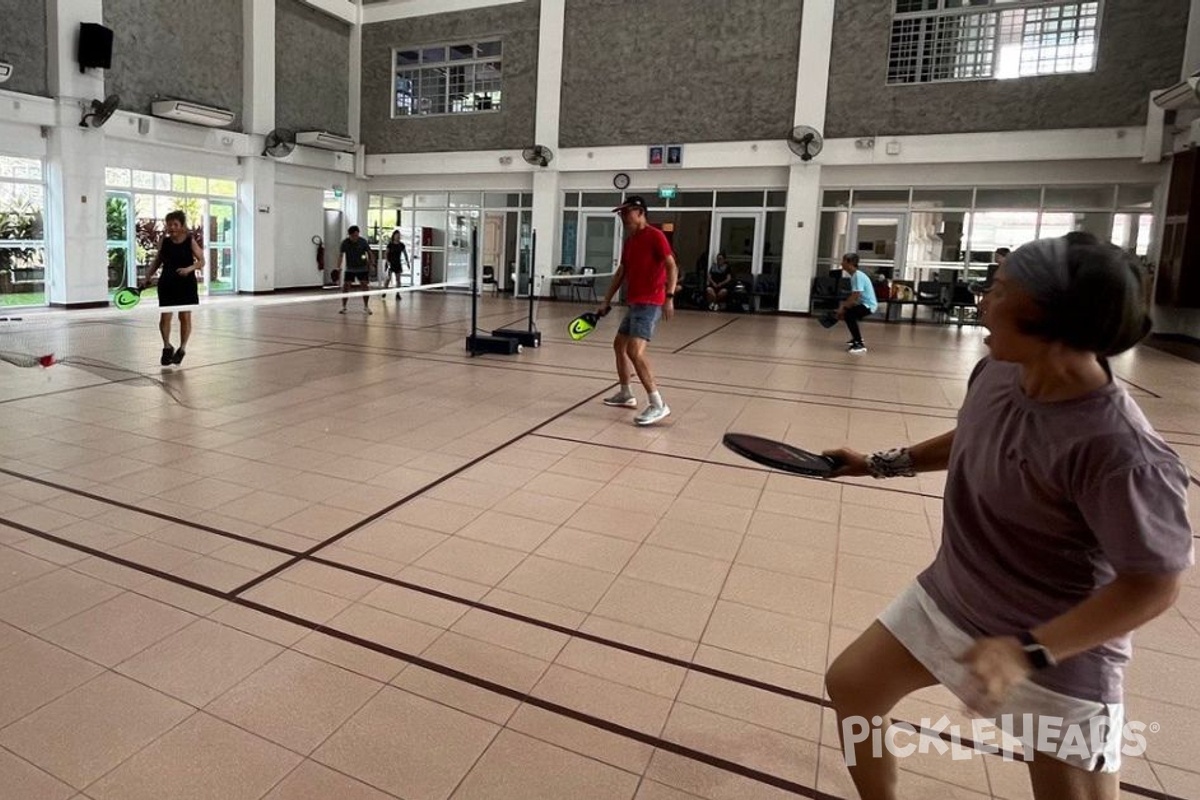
[
  {"x": 356, "y": 257},
  {"x": 650, "y": 274}
]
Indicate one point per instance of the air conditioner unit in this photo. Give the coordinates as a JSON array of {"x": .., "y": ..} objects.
[
  {"x": 184, "y": 111},
  {"x": 325, "y": 140},
  {"x": 1183, "y": 94},
  {"x": 6, "y": 71}
]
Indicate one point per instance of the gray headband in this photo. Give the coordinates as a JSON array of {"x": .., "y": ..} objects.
[{"x": 1041, "y": 268}]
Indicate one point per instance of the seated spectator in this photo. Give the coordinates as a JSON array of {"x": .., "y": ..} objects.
[{"x": 719, "y": 278}]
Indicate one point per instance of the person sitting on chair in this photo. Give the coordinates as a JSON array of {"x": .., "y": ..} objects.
[{"x": 719, "y": 278}]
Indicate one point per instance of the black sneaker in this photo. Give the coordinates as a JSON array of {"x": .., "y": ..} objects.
[
  {"x": 178, "y": 357},
  {"x": 167, "y": 354}
]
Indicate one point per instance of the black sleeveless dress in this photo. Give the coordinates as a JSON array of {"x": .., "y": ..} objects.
[{"x": 174, "y": 289}]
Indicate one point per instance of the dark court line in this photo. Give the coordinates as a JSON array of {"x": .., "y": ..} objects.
[
  {"x": 150, "y": 513},
  {"x": 393, "y": 506},
  {"x": 464, "y": 677},
  {"x": 684, "y": 751},
  {"x": 704, "y": 336}
]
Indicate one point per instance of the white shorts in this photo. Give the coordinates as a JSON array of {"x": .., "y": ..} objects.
[{"x": 1084, "y": 733}]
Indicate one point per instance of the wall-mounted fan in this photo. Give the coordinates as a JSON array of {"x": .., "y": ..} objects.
[
  {"x": 98, "y": 112},
  {"x": 279, "y": 143},
  {"x": 539, "y": 155},
  {"x": 805, "y": 142}
]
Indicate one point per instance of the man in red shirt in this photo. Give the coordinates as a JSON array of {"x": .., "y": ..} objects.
[{"x": 649, "y": 273}]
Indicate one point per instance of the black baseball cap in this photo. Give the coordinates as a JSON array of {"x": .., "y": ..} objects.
[{"x": 632, "y": 201}]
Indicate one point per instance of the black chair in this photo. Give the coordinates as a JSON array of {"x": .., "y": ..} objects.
[
  {"x": 562, "y": 269},
  {"x": 935, "y": 296},
  {"x": 586, "y": 283},
  {"x": 489, "y": 279},
  {"x": 824, "y": 294}
]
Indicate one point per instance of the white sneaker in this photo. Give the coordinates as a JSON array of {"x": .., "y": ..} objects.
[
  {"x": 367, "y": 311},
  {"x": 621, "y": 400},
  {"x": 858, "y": 349},
  {"x": 652, "y": 414}
]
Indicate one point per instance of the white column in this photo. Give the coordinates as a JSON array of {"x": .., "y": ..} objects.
[
  {"x": 801, "y": 228},
  {"x": 802, "y": 219},
  {"x": 75, "y": 227},
  {"x": 547, "y": 194},
  {"x": 1191, "y": 52},
  {"x": 256, "y": 229}
]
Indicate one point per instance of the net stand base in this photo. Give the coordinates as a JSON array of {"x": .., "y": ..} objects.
[
  {"x": 482, "y": 343},
  {"x": 526, "y": 338}
]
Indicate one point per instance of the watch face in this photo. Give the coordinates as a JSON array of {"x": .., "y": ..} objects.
[{"x": 621, "y": 181}]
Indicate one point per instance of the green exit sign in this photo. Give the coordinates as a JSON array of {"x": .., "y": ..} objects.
[{"x": 668, "y": 191}]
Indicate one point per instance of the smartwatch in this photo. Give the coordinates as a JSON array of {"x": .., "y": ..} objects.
[{"x": 1039, "y": 657}]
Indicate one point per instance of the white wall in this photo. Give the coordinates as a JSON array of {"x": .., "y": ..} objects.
[{"x": 300, "y": 216}]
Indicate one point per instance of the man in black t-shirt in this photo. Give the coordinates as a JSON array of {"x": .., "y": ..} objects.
[{"x": 356, "y": 256}]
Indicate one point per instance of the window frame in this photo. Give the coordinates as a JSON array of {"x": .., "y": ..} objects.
[
  {"x": 413, "y": 72},
  {"x": 995, "y": 8}
]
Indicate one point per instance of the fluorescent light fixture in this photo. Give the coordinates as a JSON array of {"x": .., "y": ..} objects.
[{"x": 6, "y": 71}]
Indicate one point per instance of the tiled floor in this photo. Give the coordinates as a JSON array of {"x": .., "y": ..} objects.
[{"x": 332, "y": 556}]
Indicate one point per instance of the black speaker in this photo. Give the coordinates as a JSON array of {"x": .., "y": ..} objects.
[{"x": 95, "y": 46}]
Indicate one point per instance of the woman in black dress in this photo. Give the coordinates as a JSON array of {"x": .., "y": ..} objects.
[{"x": 179, "y": 258}]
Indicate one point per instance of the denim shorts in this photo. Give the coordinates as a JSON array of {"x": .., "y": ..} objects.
[{"x": 640, "y": 321}]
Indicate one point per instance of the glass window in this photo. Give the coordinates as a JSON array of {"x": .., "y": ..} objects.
[
  {"x": 740, "y": 199},
  {"x": 835, "y": 198},
  {"x": 1078, "y": 197},
  {"x": 570, "y": 237},
  {"x": 1134, "y": 196},
  {"x": 141, "y": 180},
  {"x": 890, "y": 198},
  {"x": 464, "y": 199},
  {"x": 458, "y": 78},
  {"x": 22, "y": 233},
  {"x": 831, "y": 243},
  {"x": 117, "y": 177},
  {"x": 27, "y": 169},
  {"x": 197, "y": 185},
  {"x": 983, "y": 39},
  {"x": 431, "y": 200},
  {"x": 571, "y": 200},
  {"x": 222, "y": 188},
  {"x": 526, "y": 200},
  {"x": 605, "y": 200},
  {"x": 1029, "y": 197},
  {"x": 942, "y": 198},
  {"x": 776, "y": 199},
  {"x": 693, "y": 200}
]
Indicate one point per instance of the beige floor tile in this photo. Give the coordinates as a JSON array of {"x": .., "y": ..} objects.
[
  {"x": 515, "y": 635},
  {"x": 260, "y": 623},
  {"x": 118, "y": 629},
  {"x": 420, "y": 606},
  {"x": 305, "y": 602},
  {"x": 604, "y": 699},
  {"x": 687, "y": 571},
  {"x": 312, "y": 781},
  {"x": 201, "y": 759},
  {"x": 44, "y": 601},
  {"x": 352, "y": 657},
  {"x": 593, "y": 550},
  {"x": 768, "y": 635},
  {"x": 295, "y": 701},
  {"x": 394, "y": 541},
  {"x": 476, "y": 659},
  {"x": 374, "y": 625},
  {"x": 563, "y": 584},
  {"x": 532, "y": 504},
  {"x": 36, "y": 673},
  {"x": 687, "y": 537},
  {"x": 472, "y": 560},
  {"x": 614, "y": 521},
  {"x": 215, "y": 574},
  {"x": 517, "y": 766},
  {"x": 764, "y": 709},
  {"x": 709, "y": 782},
  {"x": 775, "y": 591},
  {"x": 619, "y": 666},
  {"x": 21, "y": 779},
  {"x": 508, "y": 530},
  {"x": 89, "y": 731},
  {"x": 407, "y": 745},
  {"x": 652, "y": 790},
  {"x": 200, "y": 662},
  {"x": 435, "y": 515},
  {"x": 660, "y": 608},
  {"x": 17, "y": 567},
  {"x": 792, "y": 559}
]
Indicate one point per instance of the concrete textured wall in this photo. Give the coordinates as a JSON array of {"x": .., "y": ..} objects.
[
  {"x": 1141, "y": 48},
  {"x": 23, "y": 44},
  {"x": 312, "y": 69},
  {"x": 679, "y": 71},
  {"x": 513, "y": 126},
  {"x": 184, "y": 49}
]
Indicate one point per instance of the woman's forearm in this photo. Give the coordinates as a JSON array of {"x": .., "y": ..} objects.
[
  {"x": 1123, "y": 605},
  {"x": 932, "y": 455}
]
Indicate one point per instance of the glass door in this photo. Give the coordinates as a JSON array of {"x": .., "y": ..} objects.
[
  {"x": 599, "y": 245},
  {"x": 220, "y": 244},
  {"x": 118, "y": 224},
  {"x": 739, "y": 235},
  {"x": 880, "y": 239}
]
